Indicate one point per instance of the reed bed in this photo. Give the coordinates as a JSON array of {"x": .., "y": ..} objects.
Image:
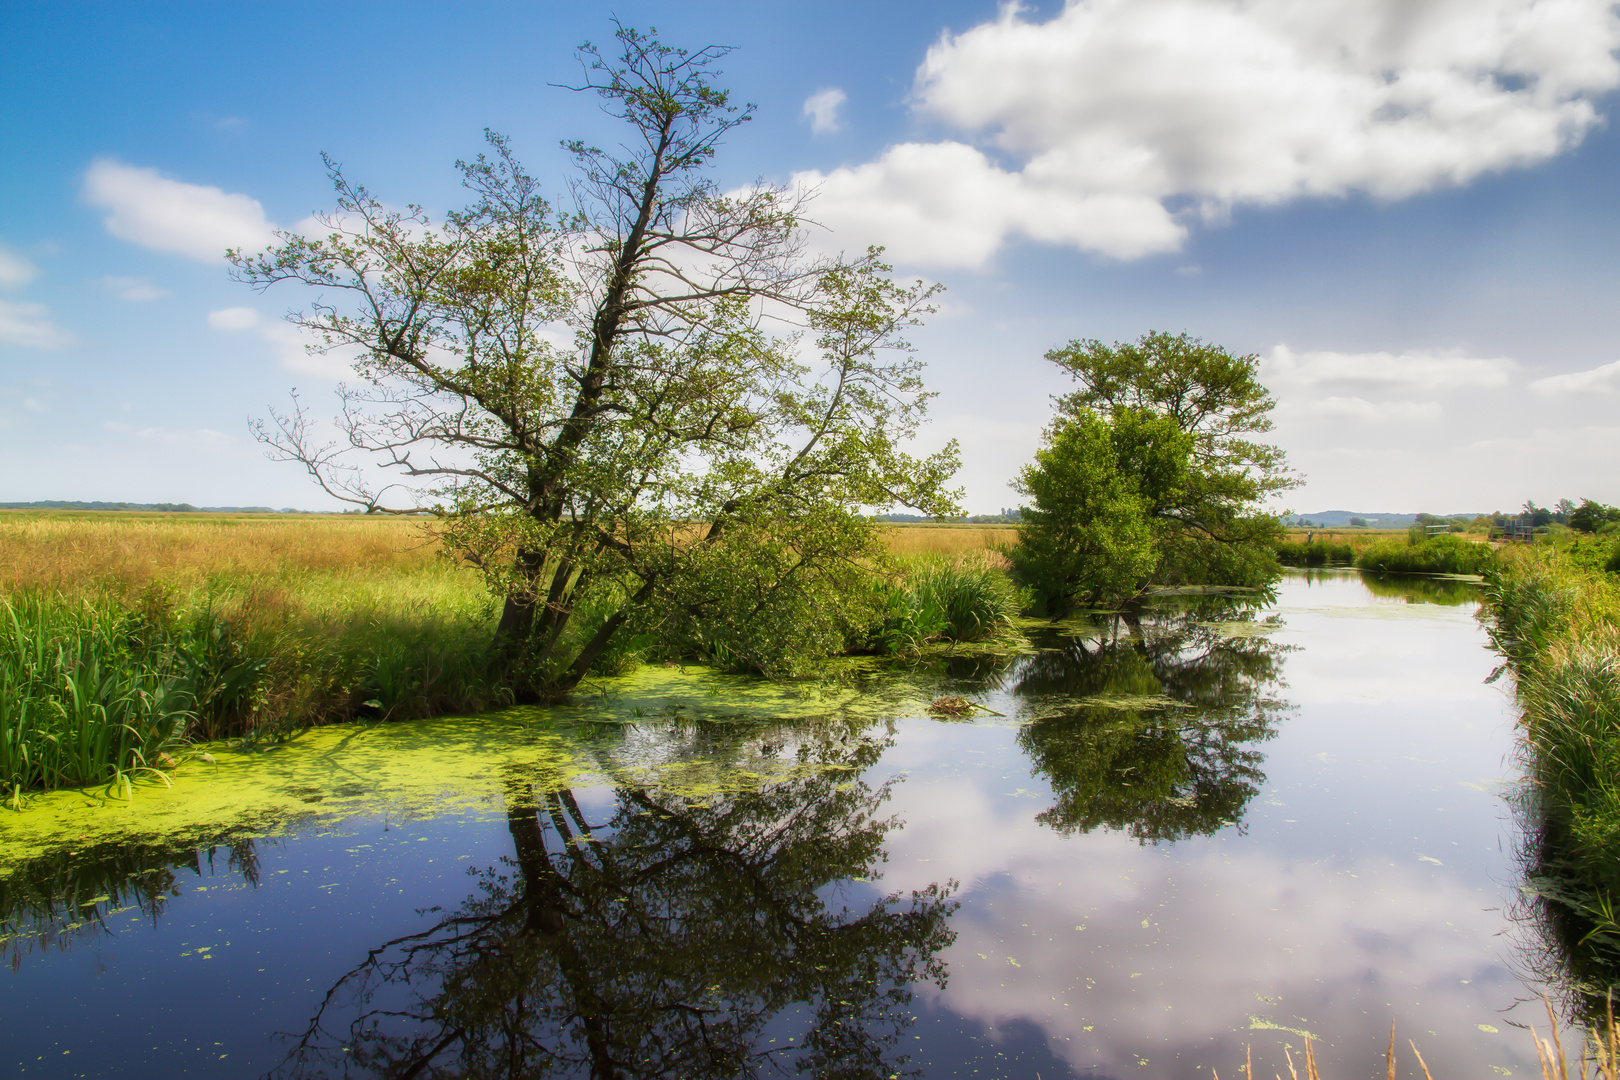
[{"x": 1597, "y": 1059}]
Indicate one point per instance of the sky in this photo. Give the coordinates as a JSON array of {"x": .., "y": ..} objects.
[{"x": 1405, "y": 208}]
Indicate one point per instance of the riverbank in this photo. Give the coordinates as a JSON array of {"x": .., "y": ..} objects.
[
  {"x": 1556, "y": 623},
  {"x": 123, "y": 637}
]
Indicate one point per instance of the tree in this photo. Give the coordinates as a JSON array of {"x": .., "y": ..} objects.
[
  {"x": 1095, "y": 487},
  {"x": 1179, "y": 399},
  {"x": 607, "y": 409},
  {"x": 1216, "y": 531},
  {"x": 1591, "y": 516}
]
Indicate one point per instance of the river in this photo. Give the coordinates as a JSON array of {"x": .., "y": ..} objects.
[{"x": 1162, "y": 838}]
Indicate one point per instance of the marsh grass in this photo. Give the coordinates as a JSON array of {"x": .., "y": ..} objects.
[
  {"x": 128, "y": 634},
  {"x": 908, "y": 541},
  {"x": 1444, "y": 554},
  {"x": 1315, "y": 553},
  {"x": 937, "y": 598}
]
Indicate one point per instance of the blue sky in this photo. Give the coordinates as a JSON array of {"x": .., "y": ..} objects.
[{"x": 1405, "y": 207}]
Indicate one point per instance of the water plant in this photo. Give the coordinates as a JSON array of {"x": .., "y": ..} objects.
[
  {"x": 1443, "y": 554},
  {"x": 939, "y": 599},
  {"x": 1314, "y": 553},
  {"x": 1557, "y": 626}
]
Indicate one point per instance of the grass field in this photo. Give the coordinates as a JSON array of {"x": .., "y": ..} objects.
[
  {"x": 315, "y": 565},
  {"x": 123, "y": 635}
]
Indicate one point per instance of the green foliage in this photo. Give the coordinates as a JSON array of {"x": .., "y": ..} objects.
[
  {"x": 1558, "y": 627},
  {"x": 1314, "y": 553},
  {"x": 939, "y": 600},
  {"x": 1087, "y": 535},
  {"x": 678, "y": 448},
  {"x": 1590, "y": 517},
  {"x": 1180, "y": 501},
  {"x": 1443, "y": 554}
]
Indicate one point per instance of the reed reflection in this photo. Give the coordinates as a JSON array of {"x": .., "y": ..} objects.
[{"x": 64, "y": 897}]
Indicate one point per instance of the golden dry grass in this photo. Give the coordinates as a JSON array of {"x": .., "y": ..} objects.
[
  {"x": 122, "y": 553},
  {"x": 320, "y": 567},
  {"x": 910, "y": 540}
]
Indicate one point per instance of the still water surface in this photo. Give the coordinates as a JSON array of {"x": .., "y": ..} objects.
[{"x": 1160, "y": 839}]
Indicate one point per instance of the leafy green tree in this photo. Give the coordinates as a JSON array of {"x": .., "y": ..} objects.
[
  {"x": 1094, "y": 488},
  {"x": 1215, "y": 530},
  {"x": 608, "y": 409},
  {"x": 1591, "y": 516}
]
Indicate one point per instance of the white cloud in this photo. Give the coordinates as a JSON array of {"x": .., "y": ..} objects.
[
  {"x": 168, "y": 215},
  {"x": 822, "y": 109},
  {"x": 1599, "y": 380},
  {"x": 1192, "y": 106},
  {"x": 1420, "y": 369},
  {"x": 15, "y": 269},
  {"x": 1355, "y": 408},
  {"x": 290, "y": 344},
  {"x": 134, "y": 288},
  {"x": 168, "y": 436},
  {"x": 29, "y": 325},
  {"x": 233, "y": 318},
  {"x": 947, "y": 204}
]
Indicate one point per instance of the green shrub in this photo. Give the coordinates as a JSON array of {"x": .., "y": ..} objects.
[
  {"x": 1443, "y": 554},
  {"x": 938, "y": 599},
  {"x": 1314, "y": 553}
]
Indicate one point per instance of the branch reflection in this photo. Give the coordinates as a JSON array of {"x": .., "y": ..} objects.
[{"x": 664, "y": 936}]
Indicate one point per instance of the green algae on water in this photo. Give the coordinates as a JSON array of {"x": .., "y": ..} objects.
[{"x": 688, "y": 731}]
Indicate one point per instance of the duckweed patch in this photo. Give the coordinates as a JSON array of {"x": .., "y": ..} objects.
[{"x": 688, "y": 731}]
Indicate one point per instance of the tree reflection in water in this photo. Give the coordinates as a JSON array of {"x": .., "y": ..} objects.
[
  {"x": 661, "y": 941},
  {"x": 1149, "y": 724}
]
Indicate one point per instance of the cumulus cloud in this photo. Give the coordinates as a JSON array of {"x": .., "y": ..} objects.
[
  {"x": 1193, "y": 106},
  {"x": 1355, "y": 408},
  {"x": 947, "y": 204},
  {"x": 1421, "y": 369},
  {"x": 291, "y": 345},
  {"x": 1600, "y": 380},
  {"x": 156, "y": 212},
  {"x": 29, "y": 324},
  {"x": 822, "y": 109},
  {"x": 15, "y": 269},
  {"x": 134, "y": 288}
]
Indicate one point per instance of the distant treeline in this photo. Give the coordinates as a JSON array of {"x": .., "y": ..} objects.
[
  {"x": 1008, "y": 516},
  {"x": 168, "y": 508}
]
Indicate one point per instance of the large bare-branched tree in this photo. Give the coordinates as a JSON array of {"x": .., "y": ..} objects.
[{"x": 657, "y": 409}]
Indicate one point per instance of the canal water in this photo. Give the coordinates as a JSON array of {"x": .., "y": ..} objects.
[{"x": 1162, "y": 838}]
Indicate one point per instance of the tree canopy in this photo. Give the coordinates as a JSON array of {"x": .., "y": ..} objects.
[
  {"x": 655, "y": 410},
  {"x": 1151, "y": 473}
]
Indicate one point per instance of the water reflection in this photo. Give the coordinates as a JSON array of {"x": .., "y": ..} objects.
[
  {"x": 658, "y": 936},
  {"x": 1571, "y": 943},
  {"x": 1421, "y": 589},
  {"x": 54, "y": 900},
  {"x": 1150, "y": 723}
]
